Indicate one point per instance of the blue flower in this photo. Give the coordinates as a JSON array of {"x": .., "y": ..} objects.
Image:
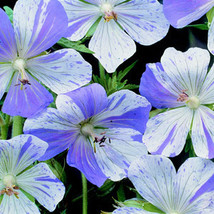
[
  {"x": 182, "y": 12},
  {"x": 103, "y": 134},
  {"x": 180, "y": 82},
  {"x": 188, "y": 191},
  {"x": 37, "y": 25},
  {"x": 143, "y": 21},
  {"x": 17, "y": 177}
]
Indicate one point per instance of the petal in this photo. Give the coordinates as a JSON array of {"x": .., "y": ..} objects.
[
  {"x": 125, "y": 109},
  {"x": 28, "y": 100},
  {"x": 110, "y": 45},
  {"x": 166, "y": 133},
  {"x": 61, "y": 71},
  {"x": 51, "y": 127},
  {"x": 7, "y": 39},
  {"x": 121, "y": 147},
  {"x": 186, "y": 70},
  {"x": 21, "y": 205},
  {"x": 181, "y": 12},
  {"x": 38, "y": 25},
  {"x": 20, "y": 152},
  {"x": 132, "y": 210},
  {"x": 6, "y": 72},
  {"x": 81, "y": 16},
  {"x": 202, "y": 132},
  {"x": 41, "y": 183},
  {"x": 207, "y": 90},
  {"x": 81, "y": 156},
  {"x": 155, "y": 86},
  {"x": 91, "y": 100},
  {"x": 153, "y": 178},
  {"x": 195, "y": 179},
  {"x": 210, "y": 42},
  {"x": 143, "y": 20}
]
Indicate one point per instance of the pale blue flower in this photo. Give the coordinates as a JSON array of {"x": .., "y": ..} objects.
[
  {"x": 189, "y": 191},
  {"x": 18, "y": 177},
  {"x": 37, "y": 25}
]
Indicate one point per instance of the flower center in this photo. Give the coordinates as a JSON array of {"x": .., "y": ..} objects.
[
  {"x": 108, "y": 13},
  {"x": 20, "y": 65},
  {"x": 88, "y": 131},
  {"x": 192, "y": 102},
  {"x": 10, "y": 186}
]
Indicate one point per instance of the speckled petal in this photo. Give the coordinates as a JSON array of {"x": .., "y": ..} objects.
[
  {"x": 81, "y": 16},
  {"x": 143, "y": 20},
  {"x": 38, "y": 24},
  {"x": 41, "y": 183},
  {"x": 27, "y": 100},
  {"x": 125, "y": 109},
  {"x": 111, "y": 45},
  {"x": 187, "y": 70},
  {"x": 21, "y": 205},
  {"x": 61, "y": 71},
  {"x": 166, "y": 133},
  {"x": 153, "y": 178},
  {"x": 131, "y": 210},
  {"x": 6, "y": 72},
  {"x": 81, "y": 156},
  {"x": 52, "y": 127},
  {"x": 156, "y": 86},
  {"x": 194, "y": 185},
  {"x": 7, "y": 39},
  {"x": 121, "y": 147},
  {"x": 90, "y": 100},
  {"x": 182, "y": 12},
  {"x": 20, "y": 152},
  {"x": 202, "y": 132}
]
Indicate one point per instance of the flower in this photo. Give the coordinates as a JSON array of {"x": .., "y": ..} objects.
[
  {"x": 143, "y": 20},
  {"x": 37, "y": 26},
  {"x": 103, "y": 134},
  {"x": 181, "y": 13},
  {"x": 188, "y": 191},
  {"x": 17, "y": 178},
  {"x": 181, "y": 82}
]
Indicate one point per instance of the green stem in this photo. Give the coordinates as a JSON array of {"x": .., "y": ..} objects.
[
  {"x": 4, "y": 128},
  {"x": 17, "y": 128},
  {"x": 85, "y": 194}
]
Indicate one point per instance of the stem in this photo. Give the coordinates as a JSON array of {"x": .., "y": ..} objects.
[
  {"x": 4, "y": 128},
  {"x": 85, "y": 194},
  {"x": 17, "y": 128}
]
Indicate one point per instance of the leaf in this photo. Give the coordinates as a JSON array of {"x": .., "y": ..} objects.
[
  {"x": 210, "y": 15},
  {"x": 77, "y": 45},
  {"x": 151, "y": 208},
  {"x": 93, "y": 28},
  {"x": 199, "y": 26},
  {"x": 9, "y": 12}
]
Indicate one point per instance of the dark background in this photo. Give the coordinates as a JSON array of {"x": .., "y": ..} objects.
[{"x": 102, "y": 199}]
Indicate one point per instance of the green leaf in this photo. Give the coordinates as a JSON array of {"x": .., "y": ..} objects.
[
  {"x": 9, "y": 12},
  {"x": 65, "y": 43},
  {"x": 151, "y": 208},
  {"x": 106, "y": 188},
  {"x": 29, "y": 196},
  {"x": 199, "y": 26},
  {"x": 210, "y": 15},
  {"x": 123, "y": 73}
]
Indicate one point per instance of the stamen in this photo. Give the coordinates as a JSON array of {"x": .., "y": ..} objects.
[
  {"x": 183, "y": 97},
  {"x": 107, "y": 10}
]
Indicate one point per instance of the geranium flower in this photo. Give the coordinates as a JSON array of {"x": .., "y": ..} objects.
[
  {"x": 143, "y": 20},
  {"x": 188, "y": 191},
  {"x": 182, "y": 12},
  {"x": 37, "y": 26},
  {"x": 17, "y": 178},
  {"x": 103, "y": 134},
  {"x": 180, "y": 81}
]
